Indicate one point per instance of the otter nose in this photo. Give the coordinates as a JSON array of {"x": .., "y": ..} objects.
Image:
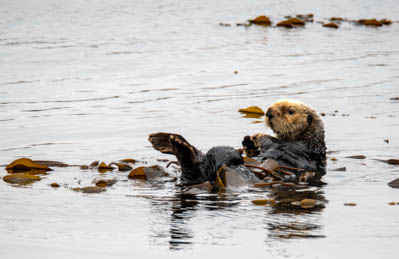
[{"x": 269, "y": 114}]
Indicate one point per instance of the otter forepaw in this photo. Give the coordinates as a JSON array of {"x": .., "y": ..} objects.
[{"x": 250, "y": 146}]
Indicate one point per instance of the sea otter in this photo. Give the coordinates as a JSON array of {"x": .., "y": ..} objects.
[
  {"x": 299, "y": 140},
  {"x": 299, "y": 144}
]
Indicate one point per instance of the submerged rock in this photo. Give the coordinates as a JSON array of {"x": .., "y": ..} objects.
[{"x": 21, "y": 178}]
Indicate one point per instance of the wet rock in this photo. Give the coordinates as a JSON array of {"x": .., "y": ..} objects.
[
  {"x": 370, "y": 22},
  {"x": 147, "y": 172},
  {"x": 89, "y": 189},
  {"x": 84, "y": 167},
  {"x": 394, "y": 183},
  {"x": 290, "y": 23},
  {"x": 25, "y": 164},
  {"x": 357, "y": 157},
  {"x": 393, "y": 161},
  {"x": 394, "y": 98},
  {"x": 55, "y": 185},
  {"x": 386, "y": 141},
  {"x": 252, "y": 110},
  {"x": 21, "y": 178},
  {"x": 264, "y": 202},
  {"x": 261, "y": 20},
  {"x": 392, "y": 203},
  {"x": 331, "y": 25}
]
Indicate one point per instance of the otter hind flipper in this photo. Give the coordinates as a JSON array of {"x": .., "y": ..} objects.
[
  {"x": 160, "y": 142},
  {"x": 184, "y": 151}
]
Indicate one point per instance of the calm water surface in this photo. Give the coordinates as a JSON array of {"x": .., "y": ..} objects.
[{"x": 89, "y": 80}]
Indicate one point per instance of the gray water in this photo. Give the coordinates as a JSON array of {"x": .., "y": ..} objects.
[{"x": 89, "y": 80}]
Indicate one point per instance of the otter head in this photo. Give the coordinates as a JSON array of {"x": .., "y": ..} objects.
[{"x": 289, "y": 120}]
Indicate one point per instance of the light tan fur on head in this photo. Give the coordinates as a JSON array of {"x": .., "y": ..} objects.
[{"x": 290, "y": 120}]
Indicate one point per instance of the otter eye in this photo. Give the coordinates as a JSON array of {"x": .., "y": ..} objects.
[{"x": 291, "y": 112}]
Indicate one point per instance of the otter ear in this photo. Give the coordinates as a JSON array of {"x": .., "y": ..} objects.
[{"x": 310, "y": 119}]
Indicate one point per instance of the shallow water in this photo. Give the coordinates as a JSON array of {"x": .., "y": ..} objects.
[{"x": 89, "y": 80}]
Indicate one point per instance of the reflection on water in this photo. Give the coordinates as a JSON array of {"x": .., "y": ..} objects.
[{"x": 282, "y": 221}]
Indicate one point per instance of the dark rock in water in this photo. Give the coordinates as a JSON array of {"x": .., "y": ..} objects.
[
  {"x": 394, "y": 98},
  {"x": 394, "y": 183},
  {"x": 55, "y": 185}
]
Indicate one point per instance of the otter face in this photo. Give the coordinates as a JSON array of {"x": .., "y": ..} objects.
[{"x": 288, "y": 119}]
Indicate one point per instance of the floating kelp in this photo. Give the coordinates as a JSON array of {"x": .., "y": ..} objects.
[
  {"x": 104, "y": 181},
  {"x": 128, "y": 160},
  {"x": 25, "y": 164},
  {"x": 21, "y": 178},
  {"x": 147, "y": 172},
  {"x": 103, "y": 167},
  {"x": 370, "y": 22},
  {"x": 253, "y": 110},
  {"x": 122, "y": 167},
  {"x": 261, "y": 20},
  {"x": 89, "y": 189},
  {"x": 337, "y": 19},
  {"x": 55, "y": 185},
  {"x": 331, "y": 25},
  {"x": 264, "y": 202},
  {"x": 51, "y": 163},
  {"x": 350, "y": 204},
  {"x": 357, "y": 157},
  {"x": 290, "y": 23}
]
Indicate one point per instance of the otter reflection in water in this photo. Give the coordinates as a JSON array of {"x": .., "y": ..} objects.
[{"x": 297, "y": 149}]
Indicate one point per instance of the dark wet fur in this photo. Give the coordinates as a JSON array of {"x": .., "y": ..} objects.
[{"x": 295, "y": 154}]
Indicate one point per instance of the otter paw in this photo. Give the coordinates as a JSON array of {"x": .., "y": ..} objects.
[{"x": 250, "y": 147}]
